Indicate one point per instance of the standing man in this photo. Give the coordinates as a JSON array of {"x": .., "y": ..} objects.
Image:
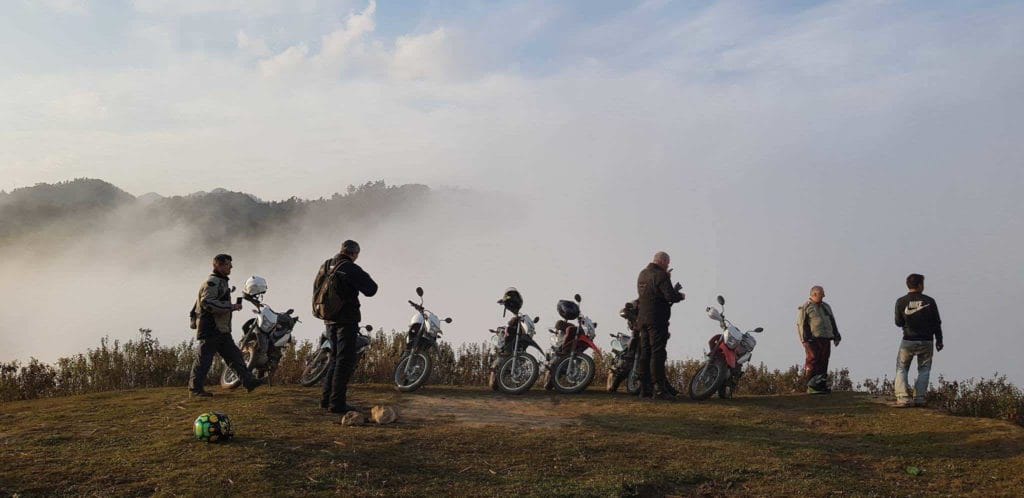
[
  {"x": 817, "y": 329},
  {"x": 336, "y": 300},
  {"x": 918, "y": 316},
  {"x": 212, "y": 315},
  {"x": 657, "y": 295}
]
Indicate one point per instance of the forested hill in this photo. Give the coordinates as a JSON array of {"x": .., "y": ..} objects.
[{"x": 62, "y": 211}]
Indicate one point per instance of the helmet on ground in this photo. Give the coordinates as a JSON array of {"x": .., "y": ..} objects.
[
  {"x": 213, "y": 427},
  {"x": 255, "y": 286},
  {"x": 568, "y": 310},
  {"x": 512, "y": 300}
]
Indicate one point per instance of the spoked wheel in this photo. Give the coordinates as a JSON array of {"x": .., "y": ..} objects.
[
  {"x": 412, "y": 371},
  {"x": 316, "y": 367},
  {"x": 517, "y": 374},
  {"x": 708, "y": 380},
  {"x": 633, "y": 381},
  {"x": 228, "y": 378},
  {"x": 574, "y": 373}
]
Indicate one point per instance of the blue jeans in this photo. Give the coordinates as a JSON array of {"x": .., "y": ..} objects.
[{"x": 908, "y": 350}]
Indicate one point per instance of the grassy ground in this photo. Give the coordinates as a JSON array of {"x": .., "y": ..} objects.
[{"x": 471, "y": 442}]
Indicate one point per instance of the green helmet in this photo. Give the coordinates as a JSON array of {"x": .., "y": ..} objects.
[{"x": 213, "y": 427}]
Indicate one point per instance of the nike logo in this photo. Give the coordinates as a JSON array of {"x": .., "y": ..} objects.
[{"x": 917, "y": 307}]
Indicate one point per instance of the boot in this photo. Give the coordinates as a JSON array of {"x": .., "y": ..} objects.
[
  {"x": 616, "y": 381},
  {"x": 671, "y": 390}
]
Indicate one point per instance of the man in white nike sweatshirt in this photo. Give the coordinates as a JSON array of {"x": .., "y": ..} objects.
[{"x": 918, "y": 316}]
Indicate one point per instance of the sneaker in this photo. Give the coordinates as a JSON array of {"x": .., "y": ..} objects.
[
  {"x": 811, "y": 390},
  {"x": 664, "y": 396},
  {"x": 920, "y": 403},
  {"x": 202, "y": 393},
  {"x": 903, "y": 403}
]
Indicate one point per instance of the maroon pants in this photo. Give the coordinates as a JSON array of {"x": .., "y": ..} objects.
[{"x": 818, "y": 350}]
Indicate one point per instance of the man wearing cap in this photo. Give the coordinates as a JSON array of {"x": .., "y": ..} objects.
[
  {"x": 657, "y": 295},
  {"x": 343, "y": 328},
  {"x": 211, "y": 317}
]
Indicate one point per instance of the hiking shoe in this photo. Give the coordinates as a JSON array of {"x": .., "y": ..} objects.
[
  {"x": 671, "y": 390},
  {"x": 254, "y": 384},
  {"x": 920, "y": 403},
  {"x": 200, "y": 394},
  {"x": 664, "y": 396},
  {"x": 345, "y": 409},
  {"x": 811, "y": 390}
]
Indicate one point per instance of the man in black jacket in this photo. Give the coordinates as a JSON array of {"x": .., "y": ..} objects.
[
  {"x": 918, "y": 316},
  {"x": 657, "y": 295},
  {"x": 344, "y": 328}
]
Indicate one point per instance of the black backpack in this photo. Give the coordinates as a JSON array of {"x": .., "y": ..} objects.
[{"x": 327, "y": 302}]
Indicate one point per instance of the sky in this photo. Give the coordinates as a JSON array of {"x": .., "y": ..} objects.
[{"x": 768, "y": 146}]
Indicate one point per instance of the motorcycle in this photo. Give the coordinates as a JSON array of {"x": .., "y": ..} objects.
[
  {"x": 263, "y": 337},
  {"x": 514, "y": 370},
  {"x": 729, "y": 352},
  {"x": 569, "y": 369},
  {"x": 414, "y": 367},
  {"x": 318, "y": 363},
  {"x": 624, "y": 362}
]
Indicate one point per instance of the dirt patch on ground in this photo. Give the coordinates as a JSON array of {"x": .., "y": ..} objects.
[{"x": 479, "y": 412}]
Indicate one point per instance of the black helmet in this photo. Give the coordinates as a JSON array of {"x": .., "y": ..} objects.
[
  {"x": 631, "y": 310},
  {"x": 568, "y": 310},
  {"x": 512, "y": 300}
]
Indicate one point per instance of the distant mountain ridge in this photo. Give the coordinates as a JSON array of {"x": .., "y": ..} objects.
[{"x": 66, "y": 208}]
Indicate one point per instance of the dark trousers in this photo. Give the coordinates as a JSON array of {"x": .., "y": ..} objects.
[
  {"x": 653, "y": 341},
  {"x": 342, "y": 364},
  {"x": 223, "y": 345},
  {"x": 817, "y": 352}
]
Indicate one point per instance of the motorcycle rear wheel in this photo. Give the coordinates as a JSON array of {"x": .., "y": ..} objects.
[
  {"x": 315, "y": 369},
  {"x": 526, "y": 373},
  {"x": 708, "y": 379},
  {"x": 419, "y": 372},
  {"x": 633, "y": 381}
]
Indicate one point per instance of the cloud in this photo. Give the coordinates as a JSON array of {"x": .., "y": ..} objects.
[
  {"x": 290, "y": 59},
  {"x": 428, "y": 56},
  {"x": 74, "y": 7},
  {"x": 254, "y": 46},
  {"x": 338, "y": 43}
]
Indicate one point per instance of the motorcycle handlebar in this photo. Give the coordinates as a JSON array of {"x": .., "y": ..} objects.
[{"x": 416, "y": 306}]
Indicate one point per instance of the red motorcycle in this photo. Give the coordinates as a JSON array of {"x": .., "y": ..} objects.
[
  {"x": 729, "y": 351},
  {"x": 569, "y": 369}
]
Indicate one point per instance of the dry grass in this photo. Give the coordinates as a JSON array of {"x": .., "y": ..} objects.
[{"x": 470, "y": 442}]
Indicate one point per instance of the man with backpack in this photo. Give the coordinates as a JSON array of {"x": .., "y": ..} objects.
[
  {"x": 211, "y": 318},
  {"x": 336, "y": 301},
  {"x": 918, "y": 316}
]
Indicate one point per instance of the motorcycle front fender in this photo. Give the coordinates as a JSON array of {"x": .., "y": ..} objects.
[{"x": 728, "y": 354}]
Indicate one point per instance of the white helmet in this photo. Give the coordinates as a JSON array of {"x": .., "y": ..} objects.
[{"x": 255, "y": 286}]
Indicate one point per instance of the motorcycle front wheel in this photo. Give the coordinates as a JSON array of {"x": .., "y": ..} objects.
[
  {"x": 573, "y": 374},
  {"x": 633, "y": 380},
  {"x": 418, "y": 365},
  {"x": 517, "y": 373},
  {"x": 228, "y": 378},
  {"x": 708, "y": 379},
  {"x": 316, "y": 367}
]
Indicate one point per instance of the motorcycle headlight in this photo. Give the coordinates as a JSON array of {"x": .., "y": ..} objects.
[{"x": 496, "y": 341}]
